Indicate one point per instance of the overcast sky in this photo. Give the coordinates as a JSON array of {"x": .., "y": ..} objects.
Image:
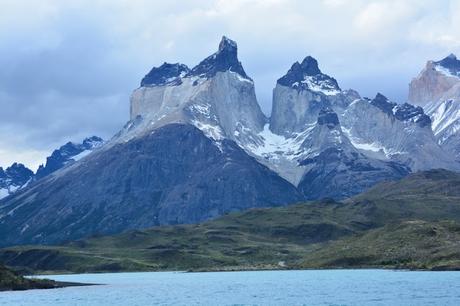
[{"x": 67, "y": 68}]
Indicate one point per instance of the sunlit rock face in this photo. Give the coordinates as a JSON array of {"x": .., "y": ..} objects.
[
  {"x": 435, "y": 81},
  {"x": 437, "y": 88},
  {"x": 216, "y": 96}
]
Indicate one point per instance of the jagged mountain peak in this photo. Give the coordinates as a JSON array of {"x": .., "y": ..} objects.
[
  {"x": 92, "y": 142},
  {"x": 225, "y": 59},
  {"x": 383, "y": 103},
  {"x": 18, "y": 170},
  {"x": 14, "y": 178},
  {"x": 310, "y": 66},
  {"x": 227, "y": 45},
  {"x": 308, "y": 76},
  {"x": 166, "y": 74},
  {"x": 402, "y": 112},
  {"x": 408, "y": 111},
  {"x": 68, "y": 153}
]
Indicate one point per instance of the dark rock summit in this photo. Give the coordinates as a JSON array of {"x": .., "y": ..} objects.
[
  {"x": 451, "y": 63},
  {"x": 401, "y": 112},
  {"x": 166, "y": 74},
  {"x": 408, "y": 111},
  {"x": 300, "y": 74},
  {"x": 225, "y": 59}
]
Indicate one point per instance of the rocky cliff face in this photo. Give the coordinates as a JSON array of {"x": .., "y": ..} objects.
[
  {"x": 300, "y": 95},
  {"x": 437, "y": 88}
]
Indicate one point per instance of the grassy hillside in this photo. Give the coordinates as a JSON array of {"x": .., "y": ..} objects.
[
  {"x": 10, "y": 280},
  {"x": 413, "y": 223}
]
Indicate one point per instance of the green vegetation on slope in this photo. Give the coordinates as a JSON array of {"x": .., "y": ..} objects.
[
  {"x": 413, "y": 223},
  {"x": 10, "y": 280}
]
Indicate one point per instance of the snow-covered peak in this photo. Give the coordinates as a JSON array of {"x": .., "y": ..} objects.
[
  {"x": 308, "y": 76},
  {"x": 92, "y": 142},
  {"x": 14, "y": 178}
]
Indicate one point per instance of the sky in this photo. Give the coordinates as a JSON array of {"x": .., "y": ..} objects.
[{"x": 67, "y": 68}]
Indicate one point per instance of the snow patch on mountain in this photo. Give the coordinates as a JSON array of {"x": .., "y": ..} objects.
[{"x": 317, "y": 85}]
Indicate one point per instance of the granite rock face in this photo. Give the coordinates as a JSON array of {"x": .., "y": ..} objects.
[
  {"x": 434, "y": 81},
  {"x": 216, "y": 96},
  {"x": 395, "y": 132},
  {"x": 437, "y": 88},
  {"x": 299, "y": 96}
]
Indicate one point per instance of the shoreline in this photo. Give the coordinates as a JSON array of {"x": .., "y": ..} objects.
[{"x": 239, "y": 269}]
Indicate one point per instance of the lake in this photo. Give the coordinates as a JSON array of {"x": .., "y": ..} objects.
[{"x": 311, "y": 287}]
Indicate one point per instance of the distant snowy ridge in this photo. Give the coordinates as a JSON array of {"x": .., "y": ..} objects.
[{"x": 17, "y": 176}]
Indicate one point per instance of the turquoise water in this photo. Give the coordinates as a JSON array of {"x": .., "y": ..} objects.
[{"x": 314, "y": 287}]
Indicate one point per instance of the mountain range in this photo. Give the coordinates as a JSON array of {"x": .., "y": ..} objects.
[{"x": 198, "y": 146}]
